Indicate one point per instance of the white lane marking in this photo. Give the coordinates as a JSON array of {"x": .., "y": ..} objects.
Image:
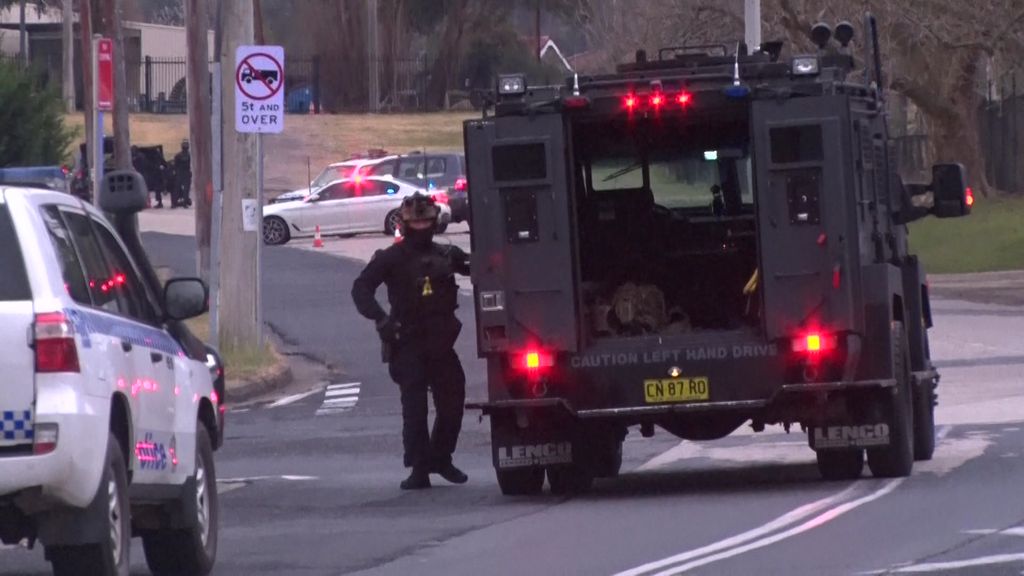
[
  {"x": 786, "y": 519},
  {"x": 816, "y": 522},
  {"x": 348, "y": 392},
  {"x": 247, "y": 479},
  {"x": 339, "y": 398},
  {"x": 1018, "y": 531},
  {"x": 293, "y": 398},
  {"x": 959, "y": 564}
]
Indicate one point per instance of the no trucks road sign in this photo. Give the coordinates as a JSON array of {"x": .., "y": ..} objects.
[{"x": 259, "y": 89}]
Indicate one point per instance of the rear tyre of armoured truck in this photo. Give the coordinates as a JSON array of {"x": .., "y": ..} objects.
[
  {"x": 897, "y": 409},
  {"x": 924, "y": 420},
  {"x": 570, "y": 479}
]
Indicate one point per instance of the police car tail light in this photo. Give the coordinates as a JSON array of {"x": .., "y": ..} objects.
[
  {"x": 460, "y": 185},
  {"x": 440, "y": 197},
  {"x": 55, "y": 344},
  {"x": 45, "y": 438},
  {"x": 815, "y": 342}
]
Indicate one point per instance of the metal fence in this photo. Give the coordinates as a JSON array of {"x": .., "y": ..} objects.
[
  {"x": 158, "y": 85},
  {"x": 1002, "y": 132}
]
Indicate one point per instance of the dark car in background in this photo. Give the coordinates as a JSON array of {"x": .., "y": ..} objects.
[{"x": 432, "y": 170}]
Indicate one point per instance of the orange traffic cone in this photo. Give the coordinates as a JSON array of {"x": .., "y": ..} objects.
[
  {"x": 317, "y": 241},
  {"x": 398, "y": 235}
]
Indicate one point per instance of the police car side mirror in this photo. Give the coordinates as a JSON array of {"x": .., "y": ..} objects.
[
  {"x": 123, "y": 192},
  {"x": 185, "y": 298},
  {"x": 952, "y": 197}
]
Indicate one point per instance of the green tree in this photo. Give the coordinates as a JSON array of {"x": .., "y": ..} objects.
[{"x": 32, "y": 130}]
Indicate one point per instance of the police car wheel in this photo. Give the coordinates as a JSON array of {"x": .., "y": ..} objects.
[
  {"x": 193, "y": 550},
  {"x": 572, "y": 479},
  {"x": 521, "y": 481},
  {"x": 109, "y": 557},
  {"x": 897, "y": 459},
  {"x": 924, "y": 421},
  {"x": 392, "y": 222},
  {"x": 840, "y": 464},
  {"x": 275, "y": 231}
]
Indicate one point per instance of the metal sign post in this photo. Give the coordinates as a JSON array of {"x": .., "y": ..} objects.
[
  {"x": 103, "y": 101},
  {"x": 259, "y": 109},
  {"x": 217, "y": 208}
]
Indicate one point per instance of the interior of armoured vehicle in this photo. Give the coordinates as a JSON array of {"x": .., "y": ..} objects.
[{"x": 667, "y": 227}]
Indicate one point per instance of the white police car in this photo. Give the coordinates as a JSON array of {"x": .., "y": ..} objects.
[{"x": 108, "y": 414}]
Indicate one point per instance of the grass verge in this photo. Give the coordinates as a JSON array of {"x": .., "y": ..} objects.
[
  {"x": 990, "y": 239},
  {"x": 243, "y": 364}
]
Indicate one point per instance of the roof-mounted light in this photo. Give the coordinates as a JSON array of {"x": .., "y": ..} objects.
[
  {"x": 805, "y": 66},
  {"x": 511, "y": 84}
]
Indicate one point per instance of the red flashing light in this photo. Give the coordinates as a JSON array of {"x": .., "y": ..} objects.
[
  {"x": 631, "y": 102},
  {"x": 969, "y": 199},
  {"x": 657, "y": 100},
  {"x": 684, "y": 98},
  {"x": 461, "y": 185},
  {"x": 55, "y": 344}
]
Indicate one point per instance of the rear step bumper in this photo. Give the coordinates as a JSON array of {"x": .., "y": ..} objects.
[{"x": 784, "y": 393}]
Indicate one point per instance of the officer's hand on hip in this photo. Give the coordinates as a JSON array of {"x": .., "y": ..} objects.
[{"x": 389, "y": 329}]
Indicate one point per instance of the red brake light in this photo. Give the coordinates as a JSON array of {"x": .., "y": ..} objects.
[
  {"x": 815, "y": 343},
  {"x": 684, "y": 98},
  {"x": 534, "y": 360},
  {"x": 461, "y": 185},
  {"x": 440, "y": 197},
  {"x": 970, "y": 197},
  {"x": 55, "y": 344}
]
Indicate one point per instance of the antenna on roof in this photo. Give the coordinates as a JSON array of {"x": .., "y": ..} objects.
[{"x": 575, "y": 84}]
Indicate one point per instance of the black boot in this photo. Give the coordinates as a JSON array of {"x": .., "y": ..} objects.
[
  {"x": 417, "y": 480},
  {"x": 452, "y": 474}
]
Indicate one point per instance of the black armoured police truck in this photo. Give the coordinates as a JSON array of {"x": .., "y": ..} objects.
[{"x": 705, "y": 238}]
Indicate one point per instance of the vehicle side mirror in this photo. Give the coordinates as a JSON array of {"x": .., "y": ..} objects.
[
  {"x": 185, "y": 298},
  {"x": 952, "y": 198},
  {"x": 123, "y": 192}
]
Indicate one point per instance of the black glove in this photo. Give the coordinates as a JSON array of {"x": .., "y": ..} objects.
[{"x": 390, "y": 330}]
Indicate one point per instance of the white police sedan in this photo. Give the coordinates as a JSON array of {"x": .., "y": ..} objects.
[{"x": 350, "y": 206}]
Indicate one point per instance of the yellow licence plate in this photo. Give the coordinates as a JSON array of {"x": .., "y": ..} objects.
[{"x": 676, "y": 390}]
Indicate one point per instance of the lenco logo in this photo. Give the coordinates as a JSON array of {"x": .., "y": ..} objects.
[
  {"x": 845, "y": 436},
  {"x": 534, "y": 454}
]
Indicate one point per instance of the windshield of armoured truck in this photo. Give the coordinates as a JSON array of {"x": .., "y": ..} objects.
[{"x": 677, "y": 179}]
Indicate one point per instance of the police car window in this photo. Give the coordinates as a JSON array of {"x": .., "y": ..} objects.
[
  {"x": 330, "y": 174},
  {"x": 436, "y": 167},
  {"x": 410, "y": 169},
  {"x": 125, "y": 278},
  {"x": 381, "y": 169},
  {"x": 796, "y": 144},
  {"x": 70, "y": 266},
  {"x": 335, "y": 192},
  {"x": 13, "y": 278},
  {"x": 102, "y": 284}
]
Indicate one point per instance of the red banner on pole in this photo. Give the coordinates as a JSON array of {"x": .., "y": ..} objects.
[{"x": 105, "y": 74}]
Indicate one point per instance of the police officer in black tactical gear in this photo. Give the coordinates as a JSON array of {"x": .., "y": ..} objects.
[
  {"x": 183, "y": 177},
  {"x": 419, "y": 337}
]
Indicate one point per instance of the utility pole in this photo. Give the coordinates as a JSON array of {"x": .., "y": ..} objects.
[
  {"x": 111, "y": 15},
  {"x": 373, "y": 56},
  {"x": 23, "y": 32},
  {"x": 67, "y": 43},
  {"x": 199, "y": 124},
  {"x": 238, "y": 314},
  {"x": 752, "y": 23},
  {"x": 85, "y": 30}
]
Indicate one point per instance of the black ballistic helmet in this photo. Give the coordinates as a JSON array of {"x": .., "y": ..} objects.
[{"x": 419, "y": 207}]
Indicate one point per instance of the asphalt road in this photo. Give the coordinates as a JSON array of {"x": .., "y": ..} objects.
[{"x": 309, "y": 485}]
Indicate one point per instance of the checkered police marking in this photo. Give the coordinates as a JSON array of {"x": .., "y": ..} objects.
[{"x": 16, "y": 427}]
